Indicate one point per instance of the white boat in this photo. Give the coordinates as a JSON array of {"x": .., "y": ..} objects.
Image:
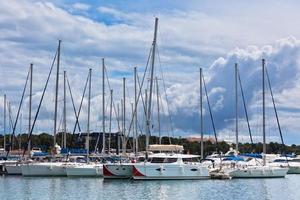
[
  {"x": 170, "y": 167},
  {"x": 84, "y": 170},
  {"x": 293, "y": 164},
  {"x": 44, "y": 169},
  {"x": 258, "y": 172}
]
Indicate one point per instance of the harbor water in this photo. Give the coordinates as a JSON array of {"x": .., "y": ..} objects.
[{"x": 18, "y": 187}]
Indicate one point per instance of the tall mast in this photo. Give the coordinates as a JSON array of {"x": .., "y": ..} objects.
[
  {"x": 21, "y": 123},
  {"x": 103, "y": 106},
  {"x": 201, "y": 116},
  {"x": 56, "y": 94},
  {"x": 124, "y": 117},
  {"x": 119, "y": 137},
  {"x": 29, "y": 111},
  {"x": 158, "y": 111},
  {"x": 136, "y": 103},
  {"x": 4, "y": 123},
  {"x": 264, "y": 120},
  {"x": 110, "y": 116},
  {"x": 236, "y": 109},
  {"x": 10, "y": 139},
  {"x": 65, "y": 114},
  {"x": 88, "y": 120},
  {"x": 151, "y": 85},
  {"x": 146, "y": 106},
  {"x": 133, "y": 132}
]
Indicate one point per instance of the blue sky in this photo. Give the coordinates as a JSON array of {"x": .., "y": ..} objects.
[{"x": 192, "y": 34}]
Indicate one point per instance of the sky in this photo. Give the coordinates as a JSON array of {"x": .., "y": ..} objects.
[{"x": 209, "y": 34}]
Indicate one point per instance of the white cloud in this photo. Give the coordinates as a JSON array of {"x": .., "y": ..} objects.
[
  {"x": 81, "y": 6},
  {"x": 187, "y": 40}
]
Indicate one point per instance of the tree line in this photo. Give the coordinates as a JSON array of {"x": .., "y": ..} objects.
[{"x": 45, "y": 142}]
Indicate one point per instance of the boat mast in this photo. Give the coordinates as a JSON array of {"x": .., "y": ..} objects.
[
  {"x": 21, "y": 123},
  {"x": 119, "y": 137},
  {"x": 110, "y": 116},
  {"x": 236, "y": 109},
  {"x": 151, "y": 85},
  {"x": 29, "y": 106},
  {"x": 135, "y": 117},
  {"x": 158, "y": 112},
  {"x": 264, "y": 120},
  {"x": 103, "y": 106},
  {"x": 65, "y": 114},
  {"x": 124, "y": 118},
  {"x": 201, "y": 116},
  {"x": 10, "y": 139},
  {"x": 56, "y": 94},
  {"x": 88, "y": 120},
  {"x": 4, "y": 123}
]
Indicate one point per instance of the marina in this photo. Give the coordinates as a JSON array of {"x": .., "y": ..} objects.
[{"x": 151, "y": 124}]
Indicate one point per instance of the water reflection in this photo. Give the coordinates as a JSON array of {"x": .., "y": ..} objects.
[{"x": 97, "y": 188}]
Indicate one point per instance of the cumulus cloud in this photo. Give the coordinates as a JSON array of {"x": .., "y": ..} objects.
[{"x": 188, "y": 39}]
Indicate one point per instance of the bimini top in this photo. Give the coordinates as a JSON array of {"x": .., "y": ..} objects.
[{"x": 166, "y": 148}]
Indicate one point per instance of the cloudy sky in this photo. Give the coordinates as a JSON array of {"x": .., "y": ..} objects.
[{"x": 207, "y": 34}]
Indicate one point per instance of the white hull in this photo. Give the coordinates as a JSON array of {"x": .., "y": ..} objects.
[
  {"x": 85, "y": 170},
  {"x": 294, "y": 170},
  {"x": 153, "y": 171},
  {"x": 13, "y": 169},
  {"x": 44, "y": 169},
  {"x": 117, "y": 171},
  {"x": 259, "y": 172}
]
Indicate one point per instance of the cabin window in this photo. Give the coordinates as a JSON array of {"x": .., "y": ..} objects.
[
  {"x": 170, "y": 160},
  {"x": 190, "y": 160},
  {"x": 295, "y": 160},
  {"x": 157, "y": 160}
]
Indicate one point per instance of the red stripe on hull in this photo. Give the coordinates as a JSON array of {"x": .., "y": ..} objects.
[
  {"x": 135, "y": 172},
  {"x": 106, "y": 172}
]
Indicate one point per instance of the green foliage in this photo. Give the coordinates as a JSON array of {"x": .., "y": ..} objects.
[{"x": 45, "y": 141}]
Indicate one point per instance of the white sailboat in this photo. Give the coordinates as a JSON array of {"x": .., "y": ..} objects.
[
  {"x": 88, "y": 169},
  {"x": 48, "y": 168},
  {"x": 259, "y": 170}
]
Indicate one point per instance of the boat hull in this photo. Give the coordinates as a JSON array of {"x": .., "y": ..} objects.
[
  {"x": 43, "y": 169},
  {"x": 13, "y": 169},
  {"x": 294, "y": 170},
  {"x": 85, "y": 171},
  {"x": 148, "y": 171},
  {"x": 259, "y": 173},
  {"x": 117, "y": 171}
]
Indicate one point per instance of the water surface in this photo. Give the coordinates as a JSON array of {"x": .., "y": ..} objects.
[{"x": 18, "y": 187}]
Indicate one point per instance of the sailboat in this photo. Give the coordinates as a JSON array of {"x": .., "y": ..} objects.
[
  {"x": 14, "y": 167},
  {"x": 248, "y": 170},
  {"x": 88, "y": 169},
  {"x": 54, "y": 167},
  {"x": 170, "y": 163}
]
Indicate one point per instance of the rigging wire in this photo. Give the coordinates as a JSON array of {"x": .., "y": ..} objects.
[
  {"x": 18, "y": 113},
  {"x": 211, "y": 116},
  {"x": 245, "y": 107},
  {"x": 40, "y": 103}
]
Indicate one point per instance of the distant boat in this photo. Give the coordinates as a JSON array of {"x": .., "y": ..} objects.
[{"x": 293, "y": 164}]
